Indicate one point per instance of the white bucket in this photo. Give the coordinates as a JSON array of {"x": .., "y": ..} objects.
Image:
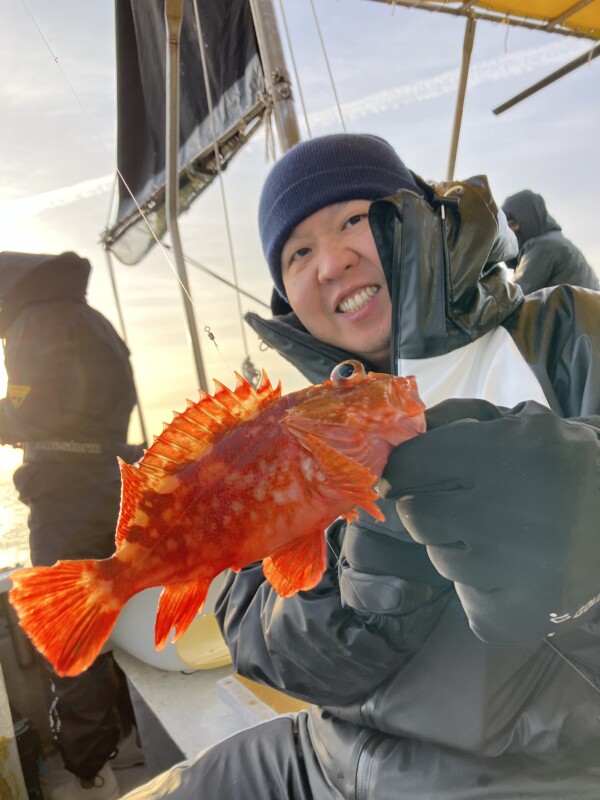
[{"x": 201, "y": 646}]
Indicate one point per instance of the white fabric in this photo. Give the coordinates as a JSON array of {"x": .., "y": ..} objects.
[{"x": 490, "y": 368}]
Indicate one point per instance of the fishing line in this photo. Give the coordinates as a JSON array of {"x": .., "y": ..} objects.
[
  {"x": 571, "y": 663},
  {"x": 55, "y": 58},
  {"x": 217, "y": 158}
]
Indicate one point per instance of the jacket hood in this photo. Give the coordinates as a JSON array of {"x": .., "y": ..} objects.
[
  {"x": 442, "y": 260},
  {"x": 31, "y": 278},
  {"x": 529, "y": 210},
  {"x": 441, "y": 255}
]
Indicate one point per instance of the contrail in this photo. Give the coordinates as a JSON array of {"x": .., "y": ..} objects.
[
  {"x": 24, "y": 207},
  {"x": 484, "y": 72}
]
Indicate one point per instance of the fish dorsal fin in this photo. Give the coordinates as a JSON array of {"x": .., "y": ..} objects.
[{"x": 187, "y": 439}]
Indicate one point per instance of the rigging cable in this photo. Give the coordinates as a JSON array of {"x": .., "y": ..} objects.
[
  {"x": 217, "y": 157},
  {"x": 217, "y": 277},
  {"x": 323, "y": 48}
]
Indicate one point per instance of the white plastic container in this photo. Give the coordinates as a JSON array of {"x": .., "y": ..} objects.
[{"x": 201, "y": 646}]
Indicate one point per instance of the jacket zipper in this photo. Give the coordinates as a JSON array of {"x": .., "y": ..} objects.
[{"x": 364, "y": 766}]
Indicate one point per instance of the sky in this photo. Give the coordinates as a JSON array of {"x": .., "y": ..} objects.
[{"x": 395, "y": 73}]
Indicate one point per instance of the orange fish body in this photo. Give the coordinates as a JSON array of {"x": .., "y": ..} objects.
[{"x": 239, "y": 477}]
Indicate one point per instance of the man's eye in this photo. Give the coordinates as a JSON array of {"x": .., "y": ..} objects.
[
  {"x": 300, "y": 253},
  {"x": 354, "y": 220}
]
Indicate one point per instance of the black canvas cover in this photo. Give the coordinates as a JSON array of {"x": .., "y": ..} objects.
[{"x": 237, "y": 95}]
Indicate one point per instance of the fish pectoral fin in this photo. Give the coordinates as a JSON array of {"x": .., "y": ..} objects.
[
  {"x": 178, "y": 606},
  {"x": 297, "y": 566},
  {"x": 346, "y": 476},
  {"x": 342, "y": 438}
]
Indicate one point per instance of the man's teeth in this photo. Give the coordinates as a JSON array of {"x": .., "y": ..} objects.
[{"x": 358, "y": 300}]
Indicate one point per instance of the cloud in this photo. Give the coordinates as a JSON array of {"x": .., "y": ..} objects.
[{"x": 23, "y": 207}]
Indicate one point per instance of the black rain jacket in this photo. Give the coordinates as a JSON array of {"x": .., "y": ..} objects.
[
  {"x": 406, "y": 701},
  {"x": 69, "y": 399}
]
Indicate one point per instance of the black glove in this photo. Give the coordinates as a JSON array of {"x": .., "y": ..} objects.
[{"x": 508, "y": 504}]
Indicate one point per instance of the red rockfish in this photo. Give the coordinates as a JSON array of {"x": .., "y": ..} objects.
[{"x": 239, "y": 477}]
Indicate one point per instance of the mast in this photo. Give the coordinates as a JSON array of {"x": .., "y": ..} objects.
[{"x": 277, "y": 77}]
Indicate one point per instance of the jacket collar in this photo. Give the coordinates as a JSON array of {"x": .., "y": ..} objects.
[{"x": 440, "y": 256}]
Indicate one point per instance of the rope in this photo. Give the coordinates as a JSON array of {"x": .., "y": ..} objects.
[
  {"x": 291, "y": 49},
  {"x": 323, "y": 48}
]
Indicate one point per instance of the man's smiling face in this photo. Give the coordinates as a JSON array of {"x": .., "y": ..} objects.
[{"x": 334, "y": 281}]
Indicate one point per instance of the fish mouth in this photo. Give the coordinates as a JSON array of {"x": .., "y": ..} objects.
[{"x": 357, "y": 300}]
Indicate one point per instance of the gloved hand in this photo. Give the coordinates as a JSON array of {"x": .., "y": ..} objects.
[{"x": 507, "y": 503}]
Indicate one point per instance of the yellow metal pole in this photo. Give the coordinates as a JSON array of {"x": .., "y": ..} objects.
[{"x": 460, "y": 99}]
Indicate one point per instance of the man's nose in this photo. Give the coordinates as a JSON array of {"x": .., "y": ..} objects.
[{"x": 334, "y": 259}]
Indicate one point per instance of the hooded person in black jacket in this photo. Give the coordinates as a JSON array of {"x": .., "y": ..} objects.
[
  {"x": 451, "y": 651},
  {"x": 69, "y": 399},
  {"x": 546, "y": 257}
]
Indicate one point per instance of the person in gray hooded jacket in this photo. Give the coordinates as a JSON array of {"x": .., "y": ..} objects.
[
  {"x": 546, "y": 257},
  {"x": 450, "y": 652}
]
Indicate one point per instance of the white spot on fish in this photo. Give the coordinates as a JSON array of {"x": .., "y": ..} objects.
[
  {"x": 307, "y": 467},
  {"x": 260, "y": 492},
  {"x": 141, "y": 518},
  {"x": 280, "y": 498},
  {"x": 167, "y": 485}
]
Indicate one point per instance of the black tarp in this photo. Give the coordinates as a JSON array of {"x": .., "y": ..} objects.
[{"x": 237, "y": 91}]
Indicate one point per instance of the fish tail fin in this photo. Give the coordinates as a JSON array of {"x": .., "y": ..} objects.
[{"x": 67, "y": 610}]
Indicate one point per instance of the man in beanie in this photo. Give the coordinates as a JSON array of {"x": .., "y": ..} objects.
[
  {"x": 450, "y": 652},
  {"x": 546, "y": 257}
]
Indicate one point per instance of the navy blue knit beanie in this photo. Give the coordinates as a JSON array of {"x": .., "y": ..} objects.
[{"x": 319, "y": 172}]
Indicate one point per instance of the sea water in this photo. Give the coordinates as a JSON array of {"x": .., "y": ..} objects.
[{"x": 14, "y": 535}]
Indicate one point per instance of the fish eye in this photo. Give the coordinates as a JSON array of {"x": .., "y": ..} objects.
[{"x": 347, "y": 373}]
